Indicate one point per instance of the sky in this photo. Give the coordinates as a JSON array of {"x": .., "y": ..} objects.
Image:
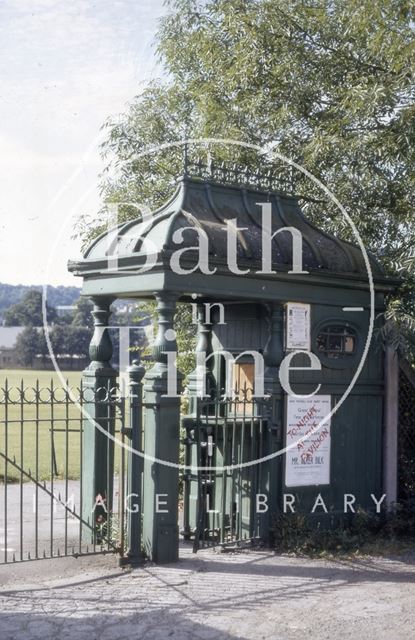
[{"x": 65, "y": 67}]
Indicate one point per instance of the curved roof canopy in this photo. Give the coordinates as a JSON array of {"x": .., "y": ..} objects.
[{"x": 200, "y": 208}]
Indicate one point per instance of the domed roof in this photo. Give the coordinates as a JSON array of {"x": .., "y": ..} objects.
[{"x": 199, "y": 204}]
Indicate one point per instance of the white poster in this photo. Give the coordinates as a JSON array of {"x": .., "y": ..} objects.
[
  {"x": 297, "y": 326},
  {"x": 308, "y": 461}
]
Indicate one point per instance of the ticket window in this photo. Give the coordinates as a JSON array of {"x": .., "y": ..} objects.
[{"x": 243, "y": 379}]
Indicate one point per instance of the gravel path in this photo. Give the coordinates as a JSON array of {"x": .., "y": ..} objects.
[{"x": 210, "y": 596}]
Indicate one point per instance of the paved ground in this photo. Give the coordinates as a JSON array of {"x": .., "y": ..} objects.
[
  {"x": 247, "y": 595},
  {"x": 22, "y": 524}
]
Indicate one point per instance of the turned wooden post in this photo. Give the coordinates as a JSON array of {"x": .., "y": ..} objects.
[{"x": 99, "y": 380}]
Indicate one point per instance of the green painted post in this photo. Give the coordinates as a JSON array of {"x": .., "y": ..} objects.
[
  {"x": 161, "y": 441},
  {"x": 190, "y": 488},
  {"x": 203, "y": 346},
  {"x": 135, "y": 466},
  {"x": 272, "y": 471},
  {"x": 99, "y": 379}
]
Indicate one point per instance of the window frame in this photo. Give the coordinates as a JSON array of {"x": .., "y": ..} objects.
[{"x": 344, "y": 360}]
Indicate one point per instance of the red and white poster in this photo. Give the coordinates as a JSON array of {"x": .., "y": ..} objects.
[{"x": 307, "y": 462}]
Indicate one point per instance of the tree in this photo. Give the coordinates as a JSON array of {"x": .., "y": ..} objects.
[
  {"x": 28, "y": 312},
  {"x": 77, "y": 341},
  {"x": 58, "y": 339},
  {"x": 330, "y": 82},
  {"x": 11, "y": 294},
  {"x": 69, "y": 340},
  {"x": 66, "y": 340},
  {"x": 83, "y": 316},
  {"x": 28, "y": 345}
]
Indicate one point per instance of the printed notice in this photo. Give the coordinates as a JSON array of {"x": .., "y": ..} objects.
[
  {"x": 307, "y": 462},
  {"x": 298, "y": 326}
]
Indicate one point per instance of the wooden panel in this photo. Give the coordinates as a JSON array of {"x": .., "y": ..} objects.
[{"x": 243, "y": 377}]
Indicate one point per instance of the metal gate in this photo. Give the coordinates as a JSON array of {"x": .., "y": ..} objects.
[
  {"x": 41, "y": 449},
  {"x": 406, "y": 439},
  {"x": 221, "y": 486}
]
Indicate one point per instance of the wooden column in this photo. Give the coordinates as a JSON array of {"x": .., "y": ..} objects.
[
  {"x": 99, "y": 380},
  {"x": 190, "y": 482},
  {"x": 204, "y": 347},
  {"x": 272, "y": 471},
  {"x": 135, "y": 463},
  {"x": 390, "y": 437},
  {"x": 161, "y": 442}
]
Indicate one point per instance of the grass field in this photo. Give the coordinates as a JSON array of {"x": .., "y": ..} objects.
[
  {"x": 26, "y": 427},
  {"x": 29, "y": 377}
]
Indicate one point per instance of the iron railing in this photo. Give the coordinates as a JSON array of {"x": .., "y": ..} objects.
[
  {"x": 221, "y": 441},
  {"x": 41, "y": 452},
  {"x": 280, "y": 177}
]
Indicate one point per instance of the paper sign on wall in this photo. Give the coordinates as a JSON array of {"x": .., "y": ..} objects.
[
  {"x": 308, "y": 461},
  {"x": 297, "y": 326}
]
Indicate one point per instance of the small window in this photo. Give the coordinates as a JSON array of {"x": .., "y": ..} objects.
[
  {"x": 243, "y": 376},
  {"x": 243, "y": 380},
  {"x": 336, "y": 341}
]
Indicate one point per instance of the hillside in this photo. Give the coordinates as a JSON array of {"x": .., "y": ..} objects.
[{"x": 60, "y": 295}]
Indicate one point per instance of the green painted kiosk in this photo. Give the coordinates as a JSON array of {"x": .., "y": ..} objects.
[{"x": 285, "y": 410}]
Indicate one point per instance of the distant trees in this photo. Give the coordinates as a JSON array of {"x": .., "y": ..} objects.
[
  {"x": 28, "y": 345},
  {"x": 70, "y": 340},
  {"x": 66, "y": 340},
  {"x": 28, "y": 312},
  {"x": 11, "y": 294},
  {"x": 69, "y": 335},
  {"x": 83, "y": 316}
]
